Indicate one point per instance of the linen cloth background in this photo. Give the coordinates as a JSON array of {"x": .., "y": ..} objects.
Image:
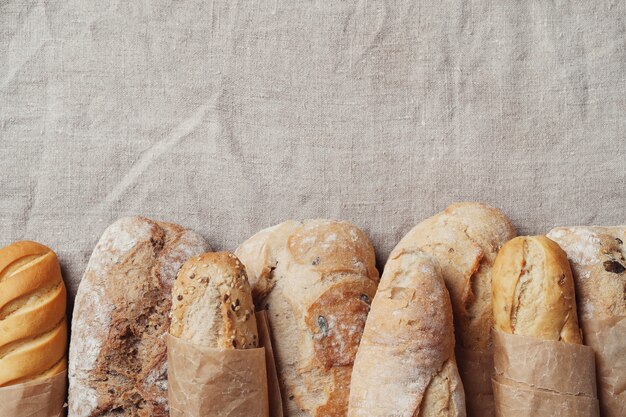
[{"x": 230, "y": 116}]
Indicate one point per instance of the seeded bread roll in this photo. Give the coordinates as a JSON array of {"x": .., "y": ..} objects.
[
  {"x": 533, "y": 291},
  {"x": 316, "y": 278},
  {"x": 405, "y": 365},
  {"x": 212, "y": 303},
  {"x": 33, "y": 326}
]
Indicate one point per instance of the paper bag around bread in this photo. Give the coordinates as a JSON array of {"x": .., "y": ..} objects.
[
  {"x": 44, "y": 398},
  {"x": 543, "y": 378},
  {"x": 223, "y": 382},
  {"x": 608, "y": 340}
]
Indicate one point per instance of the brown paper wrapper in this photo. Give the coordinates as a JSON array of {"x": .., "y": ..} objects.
[
  {"x": 35, "y": 399},
  {"x": 273, "y": 388},
  {"x": 476, "y": 370},
  {"x": 537, "y": 378},
  {"x": 608, "y": 340},
  {"x": 216, "y": 382}
]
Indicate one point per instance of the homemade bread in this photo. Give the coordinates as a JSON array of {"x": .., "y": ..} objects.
[
  {"x": 118, "y": 361},
  {"x": 33, "y": 328},
  {"x": 598, "y": 259},
  {"x": 212, "y": 303},
  {"x": 316, "y": 278},
  {"x": 533, "y": 291},
  {"x": 405, "y": 364}
]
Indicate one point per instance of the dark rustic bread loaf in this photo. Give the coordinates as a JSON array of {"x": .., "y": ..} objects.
[{"x": 118, "y": 349}]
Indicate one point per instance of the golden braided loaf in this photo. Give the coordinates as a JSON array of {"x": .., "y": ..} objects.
[{"x": 33, "y": 326}]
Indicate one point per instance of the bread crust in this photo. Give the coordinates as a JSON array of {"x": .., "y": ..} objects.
[
  {"x": 33, "y": 328},
  {"x": 317, "y": 279},
  {"x": 405, "y": 365},
  {"x": 117, "y": 363},
  {"x": 464, "y": 240},
  {"x": 598, "y": 258},
  {"x": 212, "y": 303},
  {"x": 533, "y": 291}
]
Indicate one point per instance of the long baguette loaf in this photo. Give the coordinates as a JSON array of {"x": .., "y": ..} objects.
[
  {"x": 212, "y": 303},
  {"x": 118, "y": 361},
  {"x": 533, "y": 291},
  {"x": 33, "y": 325},
  {"x": 317, "y": 279},
  {"x": 464, "y": 240},
  {"x": 598, "y": 259},
  {"x": 405, "y": 365}
]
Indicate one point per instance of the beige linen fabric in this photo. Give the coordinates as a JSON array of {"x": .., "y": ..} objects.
[{"x": 230, "y": 116}]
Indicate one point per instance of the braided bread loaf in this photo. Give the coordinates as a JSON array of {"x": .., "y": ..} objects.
[{"x": 33, "y": 327}]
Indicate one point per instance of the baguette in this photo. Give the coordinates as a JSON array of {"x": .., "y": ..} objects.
[
  {"x": 33, "y": 325},
  {"x": 212, "y": 303},
  {"x": 464, "y": 240},
  {"x": 598, "y": 259},
  {"x": 117, "y": 363},
  {"x": 316, "y": 278},
  {"x": 533, "y": 291},
  {"x": 405, "y": 365}
]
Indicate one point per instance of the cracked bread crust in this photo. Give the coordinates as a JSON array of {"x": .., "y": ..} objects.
[
  {"x": 405, "y": 365},
  {"x": 212, "y": 303},
  {"x": 117, "y": 364},
  {"x": 316, "y": 278},
  {"x": 533, "y": 291}
]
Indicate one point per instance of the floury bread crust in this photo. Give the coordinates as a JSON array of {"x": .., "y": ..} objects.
[
  {"x": 212, "y": 303},
  {"x": 464, "y": 240},
  {"x": 533, "y": 291},
  {"x": 316, "y": 278},
  {"x": 598, "y": 259},
  {"x": 118, "y": 349},
  {"x": 405, "y": 364}
]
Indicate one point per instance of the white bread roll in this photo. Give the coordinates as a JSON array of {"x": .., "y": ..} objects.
[
  {"x": 405, "y": 364},
  {"x": 212, "y": 303},
  {"x": 317, "y": 279},
  {"x": 33, "y": 325}
]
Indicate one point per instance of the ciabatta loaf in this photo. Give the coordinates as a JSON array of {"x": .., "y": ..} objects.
[
  {"x": 33, "y": 326},
  {"x": 118, "y": 361},
  {"x": 316, "y": 278},
  {"x": 212, "y": 303},
  {"x": 405, "y": 365}
]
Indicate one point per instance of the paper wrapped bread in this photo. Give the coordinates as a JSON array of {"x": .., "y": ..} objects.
[{"x": 541, "y": 367}]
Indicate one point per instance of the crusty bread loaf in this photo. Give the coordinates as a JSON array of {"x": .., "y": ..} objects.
[
  {"x": 464, "y": 239},
  {"x": 533, "y": 291},
  {"x": 117, "y": 364},
  {"x": 598, "y": 259},
  {"x": 316, "y": 279},
  {"x": 33, "y": 326},
  {"x": 212, "y": 303},
  {"x": 405, "y": 365}
]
